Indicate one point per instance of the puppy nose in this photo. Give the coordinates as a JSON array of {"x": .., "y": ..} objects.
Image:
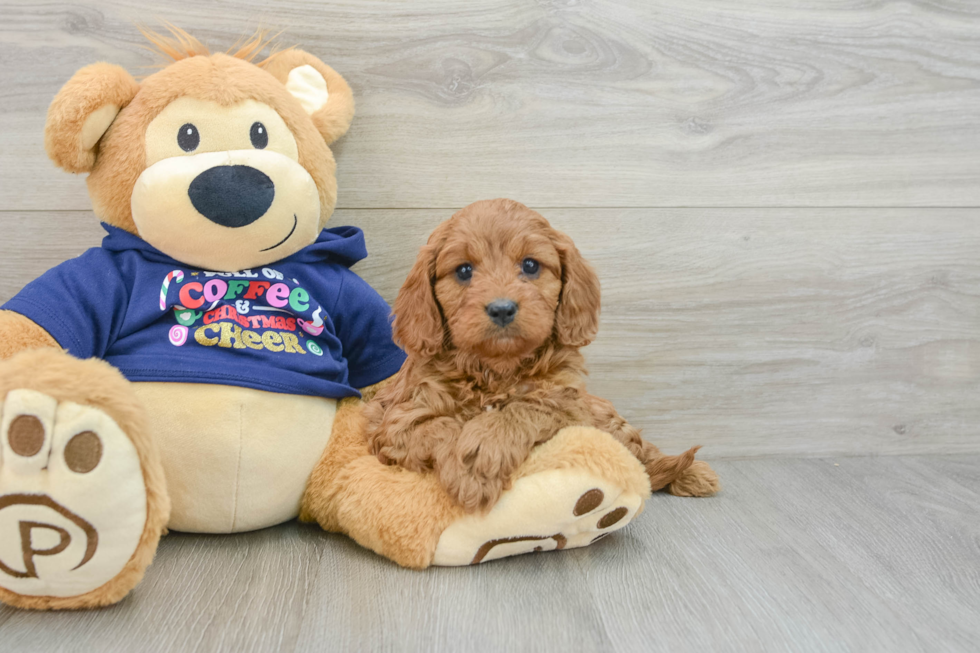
[
  {"x": 502, "y": 311},
  {"x": 232, "y": 196}
]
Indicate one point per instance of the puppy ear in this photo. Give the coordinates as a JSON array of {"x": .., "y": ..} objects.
[
  {"x": 82, "y": 111},
  {"x": 577, "y": 317},
  {"x": 418, "y": 320},
  {"x": 321, "y": 90}
]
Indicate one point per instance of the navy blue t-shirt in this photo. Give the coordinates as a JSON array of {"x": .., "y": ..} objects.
[{"x": 304, "y": 325}]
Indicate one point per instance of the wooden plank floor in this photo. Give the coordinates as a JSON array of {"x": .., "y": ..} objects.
[{"x": 833, "y": 554}]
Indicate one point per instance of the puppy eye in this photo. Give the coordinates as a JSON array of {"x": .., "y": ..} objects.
[
  {"x": 188, "y": 138},
  {"x": 530, "y": 267},
  {"x": 259, "y": 136},
  {"x": 464, "y": 272}
]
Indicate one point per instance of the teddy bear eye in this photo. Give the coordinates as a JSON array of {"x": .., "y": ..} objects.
[
  {"x": 259, "y": 136},
  {"x": 188, "y": 138}
]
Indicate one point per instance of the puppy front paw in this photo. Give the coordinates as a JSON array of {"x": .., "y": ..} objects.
[
  {"x": 474, "y": 494},
  {"x": 387, "y": 455},
  {"x": 474, "y": 479}
]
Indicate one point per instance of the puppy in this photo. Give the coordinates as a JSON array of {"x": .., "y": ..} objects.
[{"x": 492, "y": 317}]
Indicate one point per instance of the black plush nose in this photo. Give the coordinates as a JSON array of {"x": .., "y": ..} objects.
[
  {"x": 232, "y": 196},
  {"x": 502, "y": 311}
]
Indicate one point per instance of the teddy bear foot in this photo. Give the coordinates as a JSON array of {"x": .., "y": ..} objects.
[
  {"x": 72, "y": 498},
  {"x": 575, "y": 489},
  {"x": 544, "y": 512},
  {"x": 76, "y": 527}
]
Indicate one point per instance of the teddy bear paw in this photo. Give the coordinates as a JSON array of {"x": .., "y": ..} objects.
[
  {"x": 584, "y": 486},
  {"x": 73, "y": 503},
  {"x": 544, "y": 512}
]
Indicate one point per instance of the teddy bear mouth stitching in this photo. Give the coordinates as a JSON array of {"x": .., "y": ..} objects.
[{"x": 295, "y": 222}]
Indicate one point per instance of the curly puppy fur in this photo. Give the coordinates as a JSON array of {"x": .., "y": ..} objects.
[{"x": 478, "y": 393}]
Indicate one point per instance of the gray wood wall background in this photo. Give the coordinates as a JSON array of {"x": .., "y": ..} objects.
[{"x": 781, "y": 198}]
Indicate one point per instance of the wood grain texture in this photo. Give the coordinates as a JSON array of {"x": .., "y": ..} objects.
[
  {"x": 849, "y": 554},
  {"x": 566, "y": 103},
  {"x": 804, "y": 332}
]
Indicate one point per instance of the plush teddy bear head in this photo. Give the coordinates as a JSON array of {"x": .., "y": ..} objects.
[{"x": 218, "y": 162}]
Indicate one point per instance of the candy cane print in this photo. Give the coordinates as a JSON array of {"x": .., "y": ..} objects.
[{"x": 176, "y": 274}]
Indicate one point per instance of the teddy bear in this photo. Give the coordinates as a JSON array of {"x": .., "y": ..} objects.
[{"x": 205, "y": 368}]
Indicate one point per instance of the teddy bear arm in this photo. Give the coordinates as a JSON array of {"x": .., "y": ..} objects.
[
  {"x": 395, "y": 513},
  {"x": 18, "y": 333},
  {"x": 367, "y": 394},
  {"x": 571, "y": 490}
]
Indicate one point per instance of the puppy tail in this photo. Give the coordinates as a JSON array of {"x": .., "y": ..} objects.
[{"x": 664, "y": 470}]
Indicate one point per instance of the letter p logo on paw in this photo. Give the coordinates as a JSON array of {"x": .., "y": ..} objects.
[
  {"x": 66, "y": 536},
  {"x": 73, "y": 503}
]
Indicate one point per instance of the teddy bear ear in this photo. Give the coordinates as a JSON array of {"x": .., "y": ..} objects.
[
  {"x": 321, "y": 90},
  {"x": 82, "y": 111}
]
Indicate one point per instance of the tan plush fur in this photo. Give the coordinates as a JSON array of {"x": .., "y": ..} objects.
[
  {"x": 332, "y": 123},
  {"x": 475, "y": 396},
  {"x": 91, "y": 88},
  {"x": 99, "y": 385},
  {"x": 345, "y": 445},
  {"x": 395, "y": 513},
  {"x": 18, "y": 333},
  {"x": 578, "y": 447},
  {"x": 222, "y": 78},
  {"x": 179, "y": 44}
]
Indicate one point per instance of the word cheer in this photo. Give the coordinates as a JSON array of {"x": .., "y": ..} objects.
[{"x": 232, "y": 336}]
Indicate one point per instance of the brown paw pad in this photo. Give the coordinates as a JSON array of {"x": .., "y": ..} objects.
[
  {"x": 612, "y": 518},
  {"x": 588, "y": 502},
  {"x": 26, "y": 435},
  {"x": 83, "y": 452}
]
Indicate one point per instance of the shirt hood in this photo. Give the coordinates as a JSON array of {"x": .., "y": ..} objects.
[{"x": 342, "y": 245}]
